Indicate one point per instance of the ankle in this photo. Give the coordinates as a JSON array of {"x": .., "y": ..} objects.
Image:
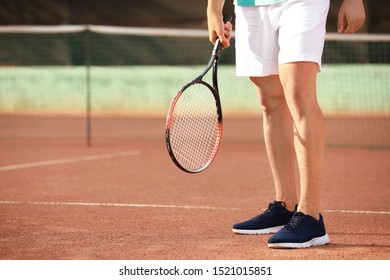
[
  {"x": 311, "y": 212},
  {"x": 290, "y": 204}
]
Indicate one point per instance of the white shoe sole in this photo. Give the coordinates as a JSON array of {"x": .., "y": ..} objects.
[
  {"x": 318, "y": 241},
  {"x": 257, "y": 231}
]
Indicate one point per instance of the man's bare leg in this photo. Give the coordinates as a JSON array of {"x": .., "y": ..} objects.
[
  {"x": 278, "y": 137},
  {"x": 299, "y": 84}
]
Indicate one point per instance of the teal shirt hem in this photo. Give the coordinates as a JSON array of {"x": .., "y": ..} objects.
[{"x": 257, "y": 2}]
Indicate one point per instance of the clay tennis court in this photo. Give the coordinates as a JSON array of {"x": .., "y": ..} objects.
[{"x": 124, "y": 199}]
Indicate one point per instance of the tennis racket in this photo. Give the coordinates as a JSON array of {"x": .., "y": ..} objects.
[{"x": 194, "y": 123}]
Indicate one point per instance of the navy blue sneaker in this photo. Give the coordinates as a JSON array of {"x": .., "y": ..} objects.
[
  {"x": 301, "y": 232},
  {"x": 270, "y": 221}
]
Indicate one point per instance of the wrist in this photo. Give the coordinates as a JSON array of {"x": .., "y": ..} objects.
[{"x": 214, "y": 7}]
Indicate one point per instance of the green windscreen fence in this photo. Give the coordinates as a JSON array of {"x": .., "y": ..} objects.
[{"x": 115, "y": 82}]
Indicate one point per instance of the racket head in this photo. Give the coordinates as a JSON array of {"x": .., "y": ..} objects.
[{"x": 194, "y": 127}]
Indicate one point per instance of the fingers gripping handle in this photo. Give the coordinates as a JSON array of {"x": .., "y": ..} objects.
[{"x": 218, "y": 46}]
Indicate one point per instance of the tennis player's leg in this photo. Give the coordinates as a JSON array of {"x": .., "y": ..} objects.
[
  {"x": 301, "y": 45},
  {"x": 306, "y": 228},
  {"x": 299, "y": 84},
  {"x": 278, "y": 137},
  {"x": 279, "y": 142}
]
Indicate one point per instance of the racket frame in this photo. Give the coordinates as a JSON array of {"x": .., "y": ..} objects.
[{"x": 213, "y": 63}]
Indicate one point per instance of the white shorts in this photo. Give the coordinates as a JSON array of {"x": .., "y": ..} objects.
[{"x": 268, "y": 36}]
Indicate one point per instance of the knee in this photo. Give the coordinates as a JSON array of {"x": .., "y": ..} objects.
[
  {"x": 270, "y": 95},
  {"x": 299, "y": 85},
  {"x": 269, "y": 102},
  {"x": 302, "y": 104}
]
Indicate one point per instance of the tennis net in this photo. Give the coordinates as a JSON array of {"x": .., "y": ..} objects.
[{"x": 118, "y": 82}]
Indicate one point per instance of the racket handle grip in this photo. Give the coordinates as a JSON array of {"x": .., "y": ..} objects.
[{"x": 227, "y": 18}]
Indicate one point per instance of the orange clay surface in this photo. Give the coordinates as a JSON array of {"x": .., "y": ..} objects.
[{"x": 126, "y": 200}]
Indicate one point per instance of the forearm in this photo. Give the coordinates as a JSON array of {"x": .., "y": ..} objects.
[{"x": 215, "y": 7}]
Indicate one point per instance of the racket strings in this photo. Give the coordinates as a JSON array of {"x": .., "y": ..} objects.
[{"x": 195, "y": 131}]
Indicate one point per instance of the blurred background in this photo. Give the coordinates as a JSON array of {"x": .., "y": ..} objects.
[
  {"x": 152, "y": 13},
  {"x": 109, "y": 69}
]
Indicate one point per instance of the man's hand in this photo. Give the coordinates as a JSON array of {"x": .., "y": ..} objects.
[
  {"x": 217, "y": 28},
  {"x": 351, "y": 16}
]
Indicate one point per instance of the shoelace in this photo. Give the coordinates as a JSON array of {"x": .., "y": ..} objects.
[
  {"x": 271, "y": 206},
  {"x": 295, "y": 221},
  {"x": 275, "y": 204}
]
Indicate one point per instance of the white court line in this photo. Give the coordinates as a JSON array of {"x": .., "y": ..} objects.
[
  {"x": 67, "y": 160},
  {"x": 357, "y": 212},
  {"x": 135, "y": 205}
]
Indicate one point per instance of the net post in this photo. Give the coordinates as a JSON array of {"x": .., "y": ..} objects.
[{"x": 88, "y": 86}]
